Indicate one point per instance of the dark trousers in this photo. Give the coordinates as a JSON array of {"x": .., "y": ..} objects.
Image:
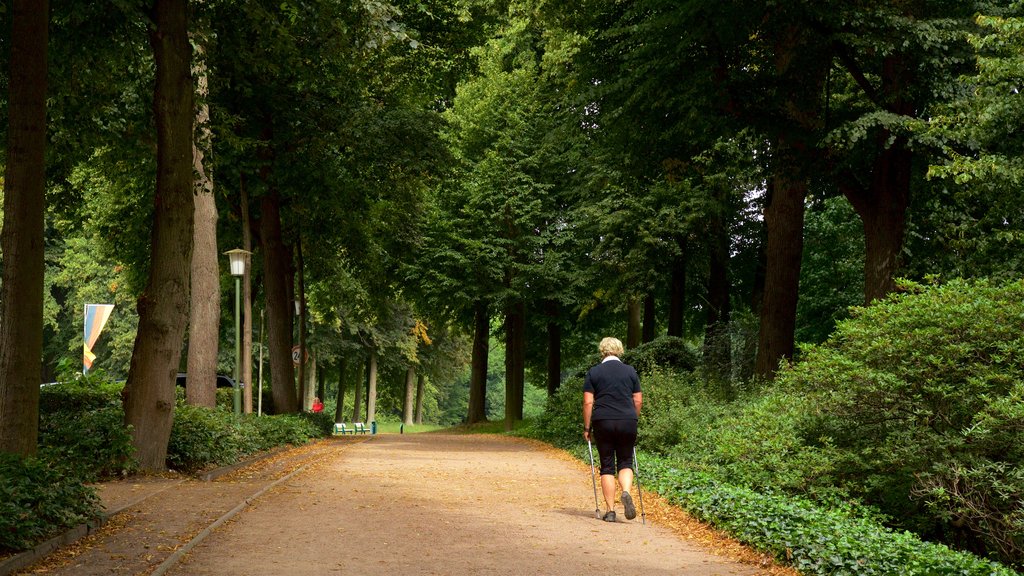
[{"x": 615, "y": 441}]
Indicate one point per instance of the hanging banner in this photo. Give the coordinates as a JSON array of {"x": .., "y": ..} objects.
[{"x": 96, "y": 316}]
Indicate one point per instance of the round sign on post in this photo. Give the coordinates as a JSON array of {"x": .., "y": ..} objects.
[{"x": 296, "y": 355}]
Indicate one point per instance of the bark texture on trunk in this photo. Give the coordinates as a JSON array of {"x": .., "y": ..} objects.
[
  {"x": 633, "y": 323},
  {"x": 882, "y": 201},
  {"x": 339, "y": 409},
  {"x": 305, "y": 393},
  {"x": 371, "y": 387},
  {"x": 478, "y": 374},
  {"x": 204, "y": 298},
  {"x": 650, "y": 319},
  {"x": 408, "y": 408},
  {"x": 148, "y": 394},
  {"x": 515, "y": 328},
  {"x": 801, "y": 65},
  {"x": 276, "y": 260},
  {"x": 21, "y": 331},
  {"x": 784, "y": 221},
  {"x": 883, "y": 213},
  {"x": 357, "y": 403},
  {"x": 321, "y": 384},
  {"x": 421, "y": 382},
  {"x": 246, "y": 368},
  {"x": 310, "y": 389}
]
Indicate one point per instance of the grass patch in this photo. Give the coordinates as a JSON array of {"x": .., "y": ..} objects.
[{"x": 396, "y": 428}]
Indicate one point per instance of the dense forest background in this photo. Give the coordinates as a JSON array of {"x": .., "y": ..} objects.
[{"x": 447, "y": 204}]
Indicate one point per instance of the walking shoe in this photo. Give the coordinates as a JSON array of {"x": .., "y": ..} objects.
[
  {"x": 627, "y": 503},
  {"x": 609, "y": 516}
]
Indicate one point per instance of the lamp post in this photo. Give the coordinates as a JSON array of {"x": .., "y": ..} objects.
[{"x": 237, "y": 259}]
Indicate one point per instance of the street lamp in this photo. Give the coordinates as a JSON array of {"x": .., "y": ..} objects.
[{"x": 237, "y": 260}]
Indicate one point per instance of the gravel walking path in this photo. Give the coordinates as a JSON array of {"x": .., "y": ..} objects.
[{"x": 420, "y": 504}]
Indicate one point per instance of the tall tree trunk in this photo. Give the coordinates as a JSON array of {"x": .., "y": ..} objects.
[
  {"x": 554, "y": 348},
  {"x": 515, "y": 324},
  {"x": 478, "y": 374},
  {"x": 520, "y": 359},
  {"x": 677, "y": 289},
  {"x": 420, "y": 389},
  {"x": 371, "y": 388},
  {"x": 339, "y": 409},
  {"x": 304, "y": 392},
  {"x": 310, "y": 387},
  {"x": 633, "y": 323},
  {"x": 650, "y": 328},
  {"x": 276, "y": 258},
  {"x": 801, "y": 65},
  {"x": 408, "y": 408},
  {"x": 883, "y": 205},
  {"x": 148, "y": 394},
  {"x": 784, "y": 222},
  {"x": 321, "y": 386},
  {"x": 883, "y": 213},
  {"x": 246, "y": 369},
  {"x": 883, "y": 202},
  {"x": 21, "y": 294},
  {"x": 204, "y": 298},
  {"x": 357, "y": 404}
]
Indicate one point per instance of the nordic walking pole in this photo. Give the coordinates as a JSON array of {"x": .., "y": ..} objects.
[
  {"x": 636, "y": 475},
  {"x": 593, "y": 480}
]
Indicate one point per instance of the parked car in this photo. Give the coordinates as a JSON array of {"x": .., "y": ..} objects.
[{"x": 222, "y": 380}]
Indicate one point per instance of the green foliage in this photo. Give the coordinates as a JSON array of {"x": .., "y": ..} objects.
[
  {"x": 81, "y": 425},
  {"x": 920, "y": 396},
  {"x": 814, "y": 540},
  {"x": 38, "y": 499},
  {"x": 201, "y": 437},
  {"x": 561, "y": 423},
  {"x": 759, "y": 442},
  {"x": 831, "y": 272},
  {"x": 759, "y": 445},
  {"x": 666, "y": 352},
  {"x": 668, "y": 396}
]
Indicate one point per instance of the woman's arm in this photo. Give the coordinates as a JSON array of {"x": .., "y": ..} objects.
[
  {"x": 638, "y": 402},
  {"x": 588, "y": 410}
]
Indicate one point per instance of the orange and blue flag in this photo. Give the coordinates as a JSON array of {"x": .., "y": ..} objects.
[{"x": 96, "y": 316}]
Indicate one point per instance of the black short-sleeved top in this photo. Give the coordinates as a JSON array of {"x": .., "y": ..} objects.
[{"x": 613, "y": 384}]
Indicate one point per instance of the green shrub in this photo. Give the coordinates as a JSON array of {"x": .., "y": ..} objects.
[
  {"x": 204, "y": 437},
  {"x": 286, "y": 429},
  {"x": 201, "y": 437},
  {"x": 667, "y": 352},
  {"x": 814, "y": 540},
  {"x": 921, "y": 396},
  {"x": 561, "y": 423},
  {"x": 81, "y": 425},
  {"x": 668, "y": 396},
  {"x": 323, "y": 422},
  {"x": 38, "y": 500},
  {"x": 759, "y": 442}
]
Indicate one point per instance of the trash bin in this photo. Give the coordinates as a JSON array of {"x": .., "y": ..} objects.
[{"x": 373, "y": 427}]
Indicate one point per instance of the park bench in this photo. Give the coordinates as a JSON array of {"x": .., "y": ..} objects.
[{"x": 357, "y": 428}]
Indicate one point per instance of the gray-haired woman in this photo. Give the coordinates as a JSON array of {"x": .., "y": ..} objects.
[{"x": 611, "y": 407}]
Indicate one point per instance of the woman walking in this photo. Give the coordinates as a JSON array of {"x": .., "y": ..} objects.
[{"x": 611, "y": 407}]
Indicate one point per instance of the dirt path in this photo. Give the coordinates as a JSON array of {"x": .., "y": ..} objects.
[{"x": 400, "y": 505}]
